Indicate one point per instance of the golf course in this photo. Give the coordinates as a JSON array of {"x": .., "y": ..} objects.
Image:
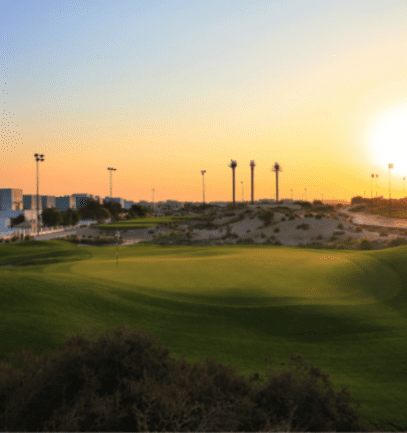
[{"x": 343, "y": 311}]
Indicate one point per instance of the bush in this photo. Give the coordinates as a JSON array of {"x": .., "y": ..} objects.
[
  {"x": 248, "y": 231},
  {"x": 262, "y": 235},
  {"x": 291, "y": 218},
  {"x": 7, "y": 241},
  {"x": 308, "y": 215},
  {"x": 358, "y": 229},
  {"x": 384, "y": 234},
  {"x": 267, "y": 217},
  {"x": 397, "y": 242},
  {"x": 338, "y": 233},
  {"x": 332, "y": 238},
  {"x": 365, "y": 244},
  {"x": 276, "y": 230},
  {"x": 318, "y": 216},
  {"x": 278, "y": 243},
  {"x": 27, "y": 237},
  {"x": 319, "y": 237},
  {"x": 282, "y": 219},
  {"x": 340, "y": 226},
  {"x": 357, "y": 208},
  {"x": 323, "y": 208},
  {"x": 123, "y": 380},
  {"x": 303, "y": 226}
]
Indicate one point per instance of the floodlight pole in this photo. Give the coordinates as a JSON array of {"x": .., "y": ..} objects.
[
  {"x": 203, "y": 185},
  {"x": 233, "y": 165},
  {"x": 252, "y": 165},
  {"x": 276, "y": 168},
  {"x": 376, "y": 183},
  {"x": 390, "y": 166},
  {"x": 111, "y": 182},
  {"x": 38, "y": 158}
]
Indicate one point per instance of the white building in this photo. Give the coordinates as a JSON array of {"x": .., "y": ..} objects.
[
  {"x": 65, "y": 202},
  {"x": 11, "y": 199}
]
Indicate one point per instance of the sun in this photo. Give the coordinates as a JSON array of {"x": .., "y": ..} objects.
[{"x": 388, "y": 138}]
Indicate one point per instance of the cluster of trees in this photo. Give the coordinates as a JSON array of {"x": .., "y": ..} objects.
[{"x": 93, "y": 210}]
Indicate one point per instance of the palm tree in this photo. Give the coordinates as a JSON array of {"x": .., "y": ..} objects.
[
  {"x": 276, "y": 168},
  {"x": 252, "y": 165},
  {"x": 233, "y": 165}
]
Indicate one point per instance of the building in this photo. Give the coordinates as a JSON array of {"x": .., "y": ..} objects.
[
  {"x": 48, "y": 201},
  {"x": 65, "y": 202},
  {"x": 128, "y": 204},
  {"x": 30, "y": 202},
  {"x": 82, "y": 199},
  {"x": 11, "y": 199},
  {"x": 116, "y": 199}
]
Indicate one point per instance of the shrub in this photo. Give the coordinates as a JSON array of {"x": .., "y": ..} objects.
[
  {"x": 358, "y": 229},
  {"x": 332, "y": 238},
  {"x": 14, "y": 238},
  {"x": 338, "y": 233},
  {"x": 397, "y": 242},
  {"x": 357, "y": 208},
  {"x": 323, "y": 208},
  {"x": 308, "y": 215},
  {"x": 318, "y": 216},
  {"x": 276, "y": 230},
  {"x": 262, "y": 235},
  {"x": 292, "y": 217},
  {"x": 303, "y": 226},
  {"x": 319, "y": 237},
  {"x": 151, "y": 231},
  {"x": 7, "y": 241},
  {"x": 267, "y": 217},
  {"x": 340, "y": 226},
  {"x": 272, "y": 237},
  {"x": 365, "y": 244},
  {"x": 340, "y": 247},
  {"x": 282, "y": 219},
  {"x": 278, "y": 243},
  {"x": 384, "y": 234},
  {"x": 28, "y": 237},
  {"x": 1, "y": 240},
  {"x": 248, "y": 231}
]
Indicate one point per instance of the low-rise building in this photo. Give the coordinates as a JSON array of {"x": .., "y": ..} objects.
[
  {"x": 128, "y": 204},
  {"x": 48, "y": 201},
  {"x": 65, "y": 202},
  {"x": 116, "y": 199},
  {"x": 30, "y": 201},
  {"x": 11, "y": 199}
]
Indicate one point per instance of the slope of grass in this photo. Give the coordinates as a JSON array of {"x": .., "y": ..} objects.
[{"x": 344, "y": 311}]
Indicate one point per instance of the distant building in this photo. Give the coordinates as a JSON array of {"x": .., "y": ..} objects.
[
  {"x": 82, "y": 199},
  {"x": 65, "y": 202},
  {"x": 128, "y": 204},
  {"x": 11, "y": 199},
  {"x": 48, "y": 201},
  {"x": 116, "y": 199},
  {"x": 30, "y": 202}
]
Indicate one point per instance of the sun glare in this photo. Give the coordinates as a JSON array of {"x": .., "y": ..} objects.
[{"x": 388, "y": 137}]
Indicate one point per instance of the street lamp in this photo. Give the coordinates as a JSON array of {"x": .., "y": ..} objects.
[
  {"x": 390, "y": 166},
  {"x": 203, "y": 185},
  {"x": 376, "y": 183},
  {"x": 111, "y": 169},
  {"x": 38, "y": 158},
  {"x": 252, "y": 165}
]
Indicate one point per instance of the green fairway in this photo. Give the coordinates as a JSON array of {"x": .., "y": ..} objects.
[
  {"x": 142, "y": 222},
  {"x": 344, "y": 311}
]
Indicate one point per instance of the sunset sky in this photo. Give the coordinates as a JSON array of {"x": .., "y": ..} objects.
[{"x": 161, "y": 90}]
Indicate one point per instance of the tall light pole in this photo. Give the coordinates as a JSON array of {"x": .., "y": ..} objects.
[
  {"x": 276, "y": 168},
  {"x": 38, "y": 158},
  {"x": 252, "y": 165},
  {"x": 203, "y": 185},
  {"x": 376, "y": 183},
  {"x": 233, "y": 165},
  {"x": 242, "y": 192},
  {"x": 110, "y": 170},
  {"x": 390, "y": 166}
]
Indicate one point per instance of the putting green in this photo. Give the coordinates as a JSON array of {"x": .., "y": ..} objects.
[{"x": 261, "y": 276}]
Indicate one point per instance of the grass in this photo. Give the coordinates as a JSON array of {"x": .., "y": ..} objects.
[
  {"x": 344, "y": 311},
  {"x": 139, "y": 223}
]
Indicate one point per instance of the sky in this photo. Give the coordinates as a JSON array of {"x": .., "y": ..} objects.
[{"x": 161, "y": 90}]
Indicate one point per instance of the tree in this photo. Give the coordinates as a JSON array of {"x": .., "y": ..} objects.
[
  {"x": 51, "y": 217},
  {"x": 70, "y": 217},
  {"x": 113, "y": 207},
  {"x": 17, "y": 220},
  {"x": 102, "y": 214},
  {"x": 90, "y": 211},
  {"x": 140, "y": 211}
]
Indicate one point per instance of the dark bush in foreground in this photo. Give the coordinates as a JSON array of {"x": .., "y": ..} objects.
[{"x": 124, "y": 381}]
